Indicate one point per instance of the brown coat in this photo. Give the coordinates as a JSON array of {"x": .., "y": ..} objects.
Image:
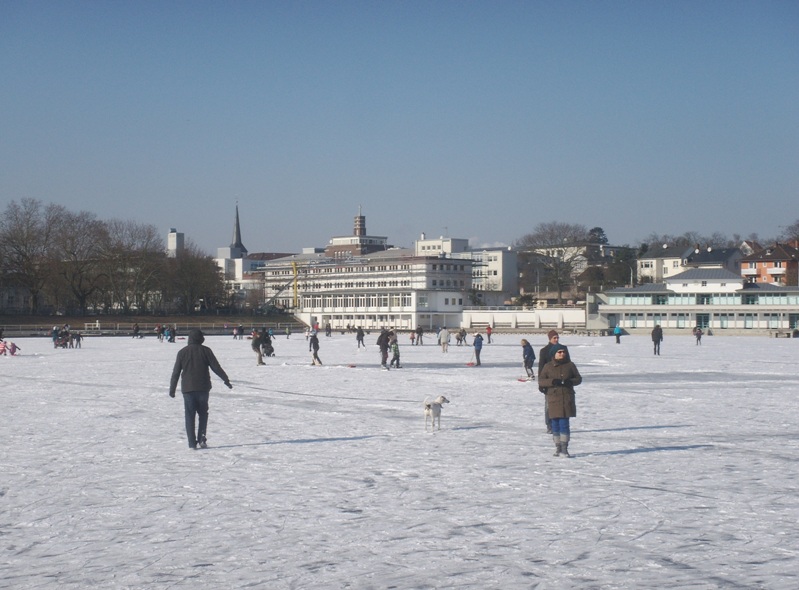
[{"x": 560, "y": 398}]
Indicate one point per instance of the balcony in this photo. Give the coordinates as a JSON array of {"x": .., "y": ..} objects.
[
  {"x": 776, "y": 271},
  {"x": 748, "y": 272}
]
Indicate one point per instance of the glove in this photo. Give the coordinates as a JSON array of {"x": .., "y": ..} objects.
[
  {"x": 568, "y": 382},
  {"x": 229, "y": 384},
  {"x": 171, "y": 394},
  {"x": 543, "y": 390},
  {"x": 557, "y": 382}
]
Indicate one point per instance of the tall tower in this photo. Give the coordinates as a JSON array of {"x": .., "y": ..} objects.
[
  {"x": 360, "y": 224},
  {"x": 174, "y": 243},
  {"x": 237, "y": 246}
]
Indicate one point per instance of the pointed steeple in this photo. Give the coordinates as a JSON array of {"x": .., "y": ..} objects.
[{"x": 237, "y": 245}]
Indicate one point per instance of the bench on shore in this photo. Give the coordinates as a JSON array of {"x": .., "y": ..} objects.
[{"x": 786, "y": 333}]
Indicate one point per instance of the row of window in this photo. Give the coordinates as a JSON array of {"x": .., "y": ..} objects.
[
  {"x": 365, "y": 300},
  {"x": 355, "y": 285},
  {"x": 705, "y": 299},
  {"x": 372, "y": 300},
  {"x": 706, "y": 320}
]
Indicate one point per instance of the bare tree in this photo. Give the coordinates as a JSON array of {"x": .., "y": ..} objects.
[
  {"x": 79, "y": 255},
  {"x": 790, "y": 232},
  {"x": 193, "y": 277},
  {"x": 134, "y": 261},
  {"x": 555, "y": 247},
  {"x": 690, "y": 238},
  {"x": 27, "y": 233}
]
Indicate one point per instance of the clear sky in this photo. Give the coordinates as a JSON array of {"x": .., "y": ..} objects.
[{"x": 471, "y": 119}]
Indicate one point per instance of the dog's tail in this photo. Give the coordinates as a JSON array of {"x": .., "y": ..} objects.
[{"x": 428, "y": 404}]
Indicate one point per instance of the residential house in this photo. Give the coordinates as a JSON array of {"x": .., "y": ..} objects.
[{"x": 776, "y": 264}]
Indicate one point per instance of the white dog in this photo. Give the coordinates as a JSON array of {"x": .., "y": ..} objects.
[{"x": 432, "y": 409}]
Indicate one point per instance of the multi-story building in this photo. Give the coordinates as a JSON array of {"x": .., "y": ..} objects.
[
  {"x": 773, "y": 265},
  {"x": 711, "y": 298},
  {"x": 394, "y": 287},
  {"x": 495, "y": 275},
  {"x": 495, "y": 271},
  {"x": 658, "y": 264},
  {"x": 174, "y": 243}
]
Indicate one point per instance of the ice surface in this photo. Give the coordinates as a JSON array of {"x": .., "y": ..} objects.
[{"x": 684, "y": 475}]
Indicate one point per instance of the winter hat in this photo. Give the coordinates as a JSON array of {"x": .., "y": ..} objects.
[
  {"x": 550, "y": 334},
  {"x": 553, "y": 351}
]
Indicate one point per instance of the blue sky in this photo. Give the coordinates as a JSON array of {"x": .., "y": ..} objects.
[{"x": 472, "y": 119}]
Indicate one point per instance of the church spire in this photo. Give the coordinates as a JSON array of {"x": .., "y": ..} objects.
[{"x": 237, "y": 245}]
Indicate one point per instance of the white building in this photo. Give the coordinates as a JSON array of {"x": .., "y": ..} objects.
[
  {"x": 174, "y": 243},
  {"x": 495, "y": 271},
  {"x": 495, "y": 275},
  {"x": 660, "y": 263},
  {"x": 384, "y": 287},
  {"x": 711, "y": 298}
]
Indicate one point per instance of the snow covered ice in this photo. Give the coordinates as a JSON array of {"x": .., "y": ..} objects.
[{"x": 684, "y": 475}]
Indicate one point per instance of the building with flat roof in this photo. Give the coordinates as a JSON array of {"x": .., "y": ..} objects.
[
  {"x": 389, "y": 287},
  {"x": 710, "y": 298}
]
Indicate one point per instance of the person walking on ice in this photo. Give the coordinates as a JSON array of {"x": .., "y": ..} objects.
[
  {"x": 192, "y": 369},
  {"x": 478, "y": 347},
  {"x": 657, "y": 338},
  {"x": 559, "y": 378},
  {"x": 528, "y": 356},
  {"x": 313, "y": 348}
]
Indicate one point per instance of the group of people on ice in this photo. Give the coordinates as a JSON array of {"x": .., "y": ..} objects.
[
  {"x": 65, "y": 337},
  {"x": 7, "y": 348},
  {"x": 557, "y": 378},
  {"x": 166, "y": 333}
]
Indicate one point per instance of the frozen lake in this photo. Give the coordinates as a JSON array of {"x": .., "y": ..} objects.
[{"x": 684, "y": 475}]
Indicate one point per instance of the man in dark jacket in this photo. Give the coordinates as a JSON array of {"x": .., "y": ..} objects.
[
  {"x": 383, "y": 343},
  {"x": 657, "y": 338},
  {"x": 313, "y": 348},
  {"x": 191, "y": 367},
  {"x": 544, "y": 356}
]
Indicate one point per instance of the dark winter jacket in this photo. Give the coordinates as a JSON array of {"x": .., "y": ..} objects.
[
  {"x": 560, "y": 397},
  {"x": 657, "y": 334},
  {"x": 193, "y": 362},
  {"x": 383, "y": 340},
  {"x": 529, "y": 355},
  {"x": 313, "y": 343}
]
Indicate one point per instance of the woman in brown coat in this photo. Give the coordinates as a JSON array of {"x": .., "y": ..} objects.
[{"x": 559, "y": 377}]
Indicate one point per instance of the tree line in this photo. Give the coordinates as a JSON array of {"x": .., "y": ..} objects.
[{"x": 56, "y": 260}]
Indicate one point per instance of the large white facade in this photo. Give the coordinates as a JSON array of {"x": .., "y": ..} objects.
[
  {"x": 714, "y": 299},
  {"x": 392, "y": 289}
]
